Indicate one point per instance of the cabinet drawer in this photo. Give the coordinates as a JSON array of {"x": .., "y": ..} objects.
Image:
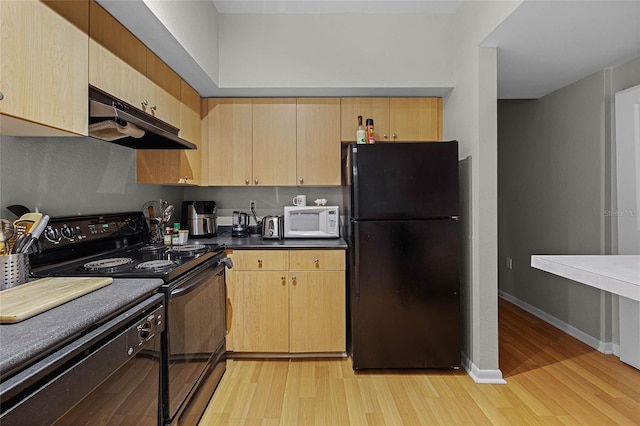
[
  {"x": 316, "y": 260},
  {"x": 261, "y": 260}
]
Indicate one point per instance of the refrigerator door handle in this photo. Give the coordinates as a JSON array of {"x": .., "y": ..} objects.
[{"x": 356, "y": 260}]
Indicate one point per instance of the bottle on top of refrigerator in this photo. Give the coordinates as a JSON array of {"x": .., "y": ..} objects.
[
  {"x": 370, "y": 138},
  {"x": 361, "y": 135}
]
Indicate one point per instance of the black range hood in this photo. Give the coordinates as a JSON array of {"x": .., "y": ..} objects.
[{"x": 118, "y": 122}]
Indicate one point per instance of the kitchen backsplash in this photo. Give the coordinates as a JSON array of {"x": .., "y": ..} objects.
[
  {"x": 269, "y": 200},
  {"x": 68, "y": 176}
]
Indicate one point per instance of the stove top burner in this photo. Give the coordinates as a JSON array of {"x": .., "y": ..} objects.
[
  {"x": 195, "y": 248},
  {"x": 103, "y": 264},
  {"x": 155, "y": 264},
  {"x": 117, "y": 245},
  {"x": 152, "y": 249}
]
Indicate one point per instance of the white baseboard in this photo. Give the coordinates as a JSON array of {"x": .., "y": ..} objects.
[
  {"x": 483, "y": 376},
  {"x": 604, "y": 347}
]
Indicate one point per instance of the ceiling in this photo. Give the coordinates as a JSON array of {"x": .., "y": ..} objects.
[
  {"x": 542, "y": 46},
  {"x": 546, "y": 45},
  {"x": 336, "y": 6}
]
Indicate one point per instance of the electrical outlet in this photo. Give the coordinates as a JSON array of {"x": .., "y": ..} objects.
[
  {"x": 252, "y": 205},
  {"x": 509, "y": 263}
]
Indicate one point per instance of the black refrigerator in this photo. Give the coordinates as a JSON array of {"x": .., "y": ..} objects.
[{"x": 401, "y": 224}]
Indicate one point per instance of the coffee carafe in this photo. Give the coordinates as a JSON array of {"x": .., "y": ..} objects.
[{"x": 200, "y": 218}]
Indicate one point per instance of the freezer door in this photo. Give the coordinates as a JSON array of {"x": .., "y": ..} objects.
[
  {"x": 404, "y": 180},
  {"x": 404, "y": 292}
]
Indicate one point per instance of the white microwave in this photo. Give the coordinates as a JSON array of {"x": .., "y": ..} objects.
[{"x": 311, "y": 222}]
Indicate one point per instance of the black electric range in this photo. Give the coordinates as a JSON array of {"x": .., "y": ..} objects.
[{"x": 114, "y": 245}]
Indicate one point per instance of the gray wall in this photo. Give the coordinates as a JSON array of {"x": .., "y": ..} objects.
[
  {"x": 556, "y": 181},
  {"x": 68, "y": 176}
]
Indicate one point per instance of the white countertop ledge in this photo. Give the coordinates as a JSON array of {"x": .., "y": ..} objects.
[{"x": 618, "y": 274}]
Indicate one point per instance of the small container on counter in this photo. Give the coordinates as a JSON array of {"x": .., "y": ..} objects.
[{"x": 14, "y": 270}]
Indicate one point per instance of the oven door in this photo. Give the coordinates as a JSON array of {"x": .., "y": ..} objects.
[
  {"x": 194, "y": 342},
  {"x": 109, "y": 375}
]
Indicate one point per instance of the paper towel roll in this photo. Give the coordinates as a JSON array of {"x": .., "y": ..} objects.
[{"x": 110, "y": 130}]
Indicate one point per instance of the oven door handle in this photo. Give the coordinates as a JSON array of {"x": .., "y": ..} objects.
[{"x": 181, "y": 291}]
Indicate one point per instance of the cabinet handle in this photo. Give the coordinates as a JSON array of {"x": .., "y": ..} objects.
[
  {"x": 154, "y": 107},
  {"x": 255, "y": 181},
  {"x": 145, "y": 103},
  {"x": 385, "y": 136},
  {"x": 1, "y": 96},
  {"x": 294, "y": 279},
  {"x": 317, "y": 262},
  {"x": 284, "y": 280},
  {"x": 259, "y": 263},
  {"x": 246, "y": 181},
  {"x": 395, "y": 136},
  {"x": 301, "y": 181}
]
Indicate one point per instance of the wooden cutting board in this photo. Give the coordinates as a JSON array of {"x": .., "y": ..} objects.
[{"x": 26, "y": 300}]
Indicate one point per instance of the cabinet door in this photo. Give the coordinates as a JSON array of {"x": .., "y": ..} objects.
[
  {"x": 191, "y": 130},
  {"x": 226, "y": 131},
  {"x": 317, "y": 260},
  {"x": 259, "y": 302},
  {"x": 375, "y": 108},
  {"x": 165, "y": 91},
  {"x": 274, "y": 141},
  {"x": 176, "y": 166},
  {"x": 261, "y": 260},
  {"x": 317, "y": 307},
  {"x": 415, "y": 119},
  {"x": 43, "y": 72},
  {"x": 318, "y": 141},
  {"x": 117, "y": 59}
]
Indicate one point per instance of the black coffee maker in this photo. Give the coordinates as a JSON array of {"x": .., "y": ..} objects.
[{"x": 200, "y": 218}]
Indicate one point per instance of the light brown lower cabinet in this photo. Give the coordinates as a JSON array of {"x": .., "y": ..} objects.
[{"x": 286, "y": 301}]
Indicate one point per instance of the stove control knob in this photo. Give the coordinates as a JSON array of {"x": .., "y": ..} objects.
[
  {"x": 131, "y": 224},
  {"x": 52, "y": 235},
  {"x": 67, "y": 232},
  {"x": 144, "y": 331}
]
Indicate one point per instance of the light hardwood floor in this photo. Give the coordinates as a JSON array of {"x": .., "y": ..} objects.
[{"x": 551, "y": 379}]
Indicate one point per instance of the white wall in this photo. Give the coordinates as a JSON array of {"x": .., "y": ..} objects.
[
  {"x": 627, "y": 211},
  {"x": 470, "y": 117},
  {"x": 336, "y": 51}
]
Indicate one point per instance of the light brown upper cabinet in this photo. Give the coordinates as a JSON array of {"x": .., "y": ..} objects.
[
  {"x": 318, "y": 141},
  {"x": 176, "y": 166},
  {"x": 122, "y": 66},
  {"x": 227, "y": 147},
  {"x": 395, "y": 119},
  {"x": 274, "y": 141},
  {"x": 271, "y": 141},
  {"x": 43, "y": 72}
]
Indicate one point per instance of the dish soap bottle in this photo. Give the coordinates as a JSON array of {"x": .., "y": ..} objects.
[{"x": 361, "y": 136}]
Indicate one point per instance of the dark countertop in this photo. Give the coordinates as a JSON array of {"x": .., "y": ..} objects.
[
  {"x": 255, "y": 242},
  {"x": 23, "y": 341}
]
